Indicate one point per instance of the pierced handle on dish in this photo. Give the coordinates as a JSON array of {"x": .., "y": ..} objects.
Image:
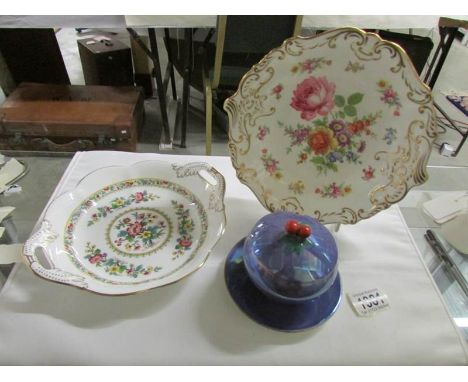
[
  {"x": 42, "y": 239},
  {"x": 213, "y": 178}
]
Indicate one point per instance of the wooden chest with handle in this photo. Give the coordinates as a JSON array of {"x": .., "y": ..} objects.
[{"x": 66, "y": 118}]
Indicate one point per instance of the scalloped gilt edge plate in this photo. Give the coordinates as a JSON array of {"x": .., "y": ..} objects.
[
  {"x": 337, "y": 126},
  {"x": 123, "y": 230}
]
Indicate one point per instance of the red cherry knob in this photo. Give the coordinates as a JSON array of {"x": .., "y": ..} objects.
[
  {"x": 304, "y": 231},
  {"x": 291, "y": 227}
]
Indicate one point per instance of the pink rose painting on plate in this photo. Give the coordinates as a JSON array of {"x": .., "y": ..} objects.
[{"x": 314, "y": 96}]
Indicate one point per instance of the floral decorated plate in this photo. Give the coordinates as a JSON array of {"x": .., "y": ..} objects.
[
  {"x": 127, "y": 229},
  {"x": 337, "y": 126}
]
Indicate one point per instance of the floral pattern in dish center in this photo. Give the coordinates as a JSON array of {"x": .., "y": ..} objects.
[{"x": 139, "y": 231}]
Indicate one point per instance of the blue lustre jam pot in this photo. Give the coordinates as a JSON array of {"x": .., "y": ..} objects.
[{"x": 291, "y": 258}]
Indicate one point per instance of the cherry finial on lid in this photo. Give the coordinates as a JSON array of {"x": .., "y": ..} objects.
[
  {"x": 304, "y": 231},
  {"x": 293, "y": 227}
]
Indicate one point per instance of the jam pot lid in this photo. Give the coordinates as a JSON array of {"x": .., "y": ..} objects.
[{"x": 290, "y": 257}]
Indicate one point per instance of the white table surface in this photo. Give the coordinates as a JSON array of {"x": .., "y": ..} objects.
[{"x": 195, "y": 322}]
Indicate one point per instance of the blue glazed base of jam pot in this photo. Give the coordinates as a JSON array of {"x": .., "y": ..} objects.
[
  {"x": 268, "y": 311},
  {"x": 287, "y": 266}
]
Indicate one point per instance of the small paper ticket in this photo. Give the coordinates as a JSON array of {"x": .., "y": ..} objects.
[{"x": 368, "y": 302}]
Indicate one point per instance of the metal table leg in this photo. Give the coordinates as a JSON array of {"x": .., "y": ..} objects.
[
  {"x": 186, "y": 88},
  {"x": 153, "y": 54},
  {"x": 170, "y": 66},
  {"x": 160, "y": 87}
]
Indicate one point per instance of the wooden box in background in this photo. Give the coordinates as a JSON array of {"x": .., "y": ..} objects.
[{"x": 106, "y": 62}]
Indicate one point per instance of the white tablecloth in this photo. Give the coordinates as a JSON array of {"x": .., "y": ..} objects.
[{"x": 196, "y": 322}]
